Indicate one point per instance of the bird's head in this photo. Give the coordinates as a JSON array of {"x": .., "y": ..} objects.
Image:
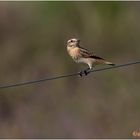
[{"x": 73, "y": 42}]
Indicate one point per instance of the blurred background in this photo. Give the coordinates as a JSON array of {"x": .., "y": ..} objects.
[{"x": 33, "y": 38}]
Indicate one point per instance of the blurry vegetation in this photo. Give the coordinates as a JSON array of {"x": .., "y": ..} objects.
[{"x": 33, "y": 39}]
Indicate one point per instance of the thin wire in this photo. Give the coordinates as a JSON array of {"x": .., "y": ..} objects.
[{"x": 63, "y": 76}]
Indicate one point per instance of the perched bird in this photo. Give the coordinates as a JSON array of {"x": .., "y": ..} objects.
[{"x": 82, "y": 55}]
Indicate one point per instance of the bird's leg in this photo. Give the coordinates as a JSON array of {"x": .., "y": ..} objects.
[
  {"x": 87, "y": 71},
  {"x": 81, "y": 73}
]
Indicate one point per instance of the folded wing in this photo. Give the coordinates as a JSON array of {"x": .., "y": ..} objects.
[{"x": 87, "y": 54}]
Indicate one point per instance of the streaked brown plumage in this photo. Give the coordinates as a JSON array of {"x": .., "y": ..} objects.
[{"x": 82, "y": 55}]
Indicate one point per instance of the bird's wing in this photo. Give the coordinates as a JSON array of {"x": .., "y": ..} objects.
[{"x": 88, "y": 54}]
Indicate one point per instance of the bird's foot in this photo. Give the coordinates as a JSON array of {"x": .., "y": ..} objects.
[
  {"x": 86, "y": 72},
  {"x": 83, "y": 72}
]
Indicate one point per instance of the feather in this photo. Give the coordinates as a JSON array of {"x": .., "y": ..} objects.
[{"x": 88, "y": 54}]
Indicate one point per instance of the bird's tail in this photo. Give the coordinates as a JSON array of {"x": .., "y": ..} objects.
[{"x": 109, "y": 63}]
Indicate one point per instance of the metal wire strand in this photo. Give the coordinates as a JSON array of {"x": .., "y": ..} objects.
[{"x": 2, "y": 86}]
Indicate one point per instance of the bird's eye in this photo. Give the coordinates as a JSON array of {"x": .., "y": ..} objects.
[{"x": 71, "y": 41}]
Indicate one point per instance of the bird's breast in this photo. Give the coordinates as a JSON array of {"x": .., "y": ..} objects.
[{"x": 74, "y": 53}]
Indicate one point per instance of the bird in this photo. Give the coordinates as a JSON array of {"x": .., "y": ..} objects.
[{"x": 82, "y": 55}]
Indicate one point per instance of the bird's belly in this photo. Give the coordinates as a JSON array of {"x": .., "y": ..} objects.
[
  {"x": 81, "y": 60},
  {"x": 85, "y": 60}
]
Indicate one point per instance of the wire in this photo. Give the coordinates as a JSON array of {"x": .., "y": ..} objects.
[{"x": 63, "y": 76}]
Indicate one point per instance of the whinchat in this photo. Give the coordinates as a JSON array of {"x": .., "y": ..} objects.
[{"x": 82, "y": 55}]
